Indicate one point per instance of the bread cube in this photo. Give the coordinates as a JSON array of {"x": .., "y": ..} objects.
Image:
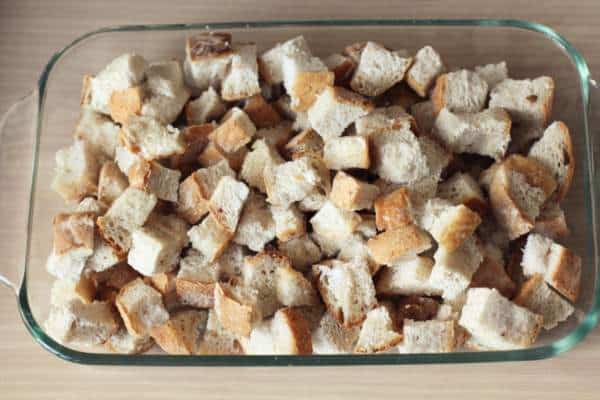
[
  {"x": 101, "y": 134},
  {"x": 560, "y": 267},
  {"x": 165, "y": 109},
  {"x": 208, "y": 107},
  {"x": 398, "y": 157},
  {"x": 342, "y": 67},
  {"x": 122, "y": 342},
  {"x": 347, "y": 290},
  {"x": 528, "y": 101},
  {"x": 377, "y": 332},
  {"x": 151, "y": 139},
  {"x": 331, "y": 337},
  {"x": 152, "y": 177},
  {"x": 497, "y": 323},
  {"x": 76, "y": 172},
  {"x": 293, "y": 289},
  {"x": 450, "y": 226},
  {"x": 125, "y": 103},
  {"x": 461, "y": 91},
  {"x": 236, "y": 131},
  {"x": 227, "y": 201},
  {"x": 391, "y": 246},
  {"x": 291, "y": 333},
  {"x": 428, "y": 337},
  {"x": 252, "y": 171},
  {"x": 271, "y": 61},
  {"x": 335, "y": 109},
  {"x": 104, "y": 255},
  {"x": 73, "y": 244},
  {"x": 262, "y": 114},
  {"x": 492, "y": 274},
  {"x": 384, "y": 119},
  {"x": 486, "y": 133},
  {"x": 181, "y": 334},
  {"x": 302, "y": 252},
  {"x": 289, "y": 222},
  {"x": 256, "y": 226},
  {"x": 278, "y": 135},
  {"x": 196, "y": 139},
  {"x": 141, "y": 308},
  {"x": 352, "y": 194},
  {"x": 346, "y": 152},
  {"x": 209, "y": 238},
  {"x": 314, "y": 201},
  {"x": 427, "y": 66},
  {"x": 378, "y": 70},
  {"x": 260, "y": 341},
  {"x": 393, "y": 210},
  {"x": 241, "y": 80},
  {"x": 462, "y": 188},
  {"x": 551, "y": 222},
  {"x": 213, "y": 154},
  {"x": 355, "y": 247},
  {"x": 424, "y": 116},
  {"x": 112, "y": 183},
  {"x": 334, "y": 223},
  {"x": 407, "y": 277},
  {"x": 492, "y": 74},
  {"x": 306, "y": 143},
  {"x": 208, "y": 56},
  {"x": 65, "y": 291},
  {"x": 536, "y": 296},
  {"x": 453, "y": 270},
  {"x": 217, "y": 340},
  {"x": 232, "y": 313},
  {"x": 438, "y": 158}
]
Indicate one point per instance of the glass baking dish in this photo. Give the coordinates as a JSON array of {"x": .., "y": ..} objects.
[{"x": 37, "y": 126}]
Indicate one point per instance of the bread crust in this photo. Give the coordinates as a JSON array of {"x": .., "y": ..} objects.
[
  {"x": 195, "y": 293},
  {"x": 233, "y": 315},
  {"x": 566, "y": 278},
  {"x": 438, "y": 95},
  {"x": 393, "y": 210},
  {"x": 464, "y": 226},
  {"x": 262, "y": 114},
  {"x": 308, "y": 85},
  {"x": 125, "y": 103},
  {"x": 387, "y": 247}
]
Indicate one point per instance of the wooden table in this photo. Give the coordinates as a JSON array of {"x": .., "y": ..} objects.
[{"x": 32, "y": 30}]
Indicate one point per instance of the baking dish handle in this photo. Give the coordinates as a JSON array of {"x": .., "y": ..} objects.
[{"x": 16, "y": 162}]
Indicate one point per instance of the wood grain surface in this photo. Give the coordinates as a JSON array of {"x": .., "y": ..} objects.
[{"x": 30, "y": 31}]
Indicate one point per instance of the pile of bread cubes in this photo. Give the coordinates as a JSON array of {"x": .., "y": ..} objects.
[{"x": 246, "y": 202}]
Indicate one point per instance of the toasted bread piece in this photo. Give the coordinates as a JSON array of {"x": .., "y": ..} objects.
[
  {"x": 210, "y": 238},
  {"x": 302, "y": 252},
  {"x": 152, "y": 177},
  {"x": 252, "y": 171},
  {"x": 65, "y": 290},
  {"x": 491, "y": 273},
  {"x": 151, "y": 139},
  {"x": 492, "y": 74},
  {"x": 278, "y": 135},
  {"x": 165, "y": 91},
  {"x": 111, "y": 184},
  {"x": 217, "y": 339},
  {"x": 100, "y": 133},
  {"x": 460, "y": 91},
  {"x": 141, "y": 307},
  {"x": 262, "y": 114},
  {"x": 407, "y": 277},
  {"x": 428, "y": 336},
  {"x": 241, "y": 80},
  {"x": 213, "y": 154},
  {"x": 393, "y": 210},
  {"x": 123, "y": 343},
  {"x": 383, "y": 119},
  {"x": 352, "y": 194},
  {"x": 306, "y": 143},
  {"x": 256, "y": 226},
  {"x": 291, "y": 333},
  {"x": 398, "y": 157},
  {"x": 293, "y": 289},
  {"x": 227, "y": 201},
  {"x": 342, "y": 67},
  {"x": 438, "y": 158},
  {"x": 528, "y": 101},
  {"x": 334, "y": 223},
  {"x": 182, "y": 333},
  {"x": 551, "y": 222},
  {"x": 208, "y": 56},
  {"x": 234, "y": 132},
  {"x": 427, "y": 66},
  {"x": 289, "y": 222},
  {"x": 392, "y": 245},
  {"x": 377, "y": 332},
  {"x": 450, "y": 225},
  {"x": 76, "y": 172},
  {"x": 125, "y": 103},
  {"x": 347, "y": 152},
  {"x": 331, "y": 337},
  {"x": 462, "y": 188},
  {"x": 208, "y": 107},
  {"x": 73, "y": 244},
  {"x": 233, "y": 314}
]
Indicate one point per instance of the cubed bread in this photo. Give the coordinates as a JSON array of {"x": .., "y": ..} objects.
[
  {"x": 207, "y": 107},
  {"x": 165, "y": 83},
  {"x": 331, "y": 337},
  {"x": 393, "y": 210},
  {"x": 493, "y": 74},
  {"x": 227, "y": 201},
  {"x": 555, "y": 151},
  {"x": 122, "y": 342},
  {"x": 551, "y": 222},
  {"x": 461, "y": 91},
  {"x": 314, "y": 201},
  {"x": 126, "y": 158},
  {"x": 293, "y": 289},
  {"x": 347, "y": 152},
  {"x": 450, "y": 226},
  {"x": 151, "y": 139},
  {"x": 424, "y": 116},
  {"x": 306, "y": 143},
  {"x": 127, "y": 213},
  {"x": 428, "y": 336},
  {"x": 182, "y": 333},
  {"x": 302, "y": 252},
  {"x": 112, "y": 183},
  {"x": 152, "y": 177},
  {"x": 384, "y": 119},
  {"x": 196, "y": 138},
  {"x": 262, "y": 114},
  {"x": 497, "y": 323},
  {"x": 291, "y": 333},
  {"x": 260, "y": 341},
  {"x": 115, "y": 277},
  {"x": 213, "y": 154},
  {"x": 519, "y": 188},
  {"x": 101, "y": 134},
  {"x": 252, "y": 171},
  {"x": 407, "y": 277},
  {"x": 347, "y": 290},
  {"x": 278, "y": 135},
  {"x": 141, "y": 307},
  {"x": 342, "y": 67},
  {"x": 76, "y": 172},
  {"x": 334, "y": 223},
  {"x": 560, "y": 267},
  {"x": 66, "y": 290},
  {"x": 125, "y": 103},
  {"x": 398, "y": 157},
  {"x": 165, "y": 109},
  {"x": 486, "y": 133},
  {"x": 492, "y": 274},
  {"x": 392, "y": 245},
  {"x": 256, "y": 226},
  {"x": 271, "y": 61},
  {"x": 208, "y": 56},
  {"x": 289, "y": 222},
  {"x": 349, "y": 193},
  {"x": 335, "y": 109},
  {"x": 234, "y": 132},
  {"x": 453, "y": 270},
  {"x": 233, "y": 314},
  {"x": 196, "y": 190},
  {"x": 427, "y": 66},
  {"x": 209, "y": 238},
  {"x": 462, "y": 188},
  {"x": 165, "y": 283},
  {"x": 241, "y": 80},
  {"x": 217, "y": 340},
  {"x": 438, "y": 158},
  {"x": 378, "y": 70},
  {"x": 355, "y": 247},
  {"x": 377, "y": 332},
  {"x": 528, "y": 101}
]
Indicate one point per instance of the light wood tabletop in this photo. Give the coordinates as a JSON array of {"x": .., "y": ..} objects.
[{"x": 32, "y": 30}]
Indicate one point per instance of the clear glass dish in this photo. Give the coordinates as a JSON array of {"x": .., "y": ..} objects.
[{"x": 42, "y": 122}]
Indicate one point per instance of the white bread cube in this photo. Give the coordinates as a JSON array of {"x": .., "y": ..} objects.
[
  {"x": 255, "y": 162},
  {"x": 271, "y": 61},
  {"x": 306, "y": 143},
  {"x": 486, "y": 133},
  {"x": 451, "y": 225},
  {"x": 207, "y": 58},
  {"x": 536, "y": 296},
  {"x": 560, "y": 267},
  {"x": 294, "y": 180},
  {"x": 289, "y": 222},
  {"x": 393, "y": 245},
  {"x": 393, "y": 210},
  {"x": 125, "y": 71},
  {"x": 347, "y": 290},
  {"x": 428, "y": 336},
  {"x": 384, "y": 119},
  {"x": 352, "y": 194},
  {"x": 156, "y": 246},
  {"x": 127, "y": 213},
  {"x": 347, "y": 152},
  {"x": 126, "y": 158},
  {"x": 76, "y": 171},
  {"x": 335, "y": 109},
  {"x": 234, "y": 132},
  {"x": 497, "y": 323},
  {"x": 231, "y": 262},
  {"x": 424, "y": 116},
  {"x": 165, "y": 91},
  {"x": 256, "y": 226},
  {"x": 195, "y": 281},
  {"x": 407, "y": 277},
  {"x": 438, "y": 158},
  {"x": 555, "y": 150},
  {"x": 551, "y": 222},
  {"x": 453, "y": 270},
  {"x": 209, "y": 238},
  {"x": 528, "y": 101},
  {"x": 196, "y": 267},
  {"x": 291, "y": 333},
  {"x": 181, "y": 334},
  {"x": 260, "y": 341},
  {"x": 461, "y": 91},
  {"x": 262, "y": 114},
  {"x": 213, "y": 154},
  {"x": 141, "y": 307},
  {"x": 122, "y": 342},
  {"x": 278, "y": 135},
  {"x": 65, "y": 291},
  {"x": 334, "y": 223},
  {"x": 462, "y": 188},
  {"x": 493, "y": 74},
  {"x": 104, "y": 256},
  {"x": 196, "y": 190},
  {"x": 398, "y": 157},
  {"x": 293, "y": 289},
  {"x": 232, "y": 311},
  {"x": 152, "y": 177},
  {"x": 99, "y": 132},
  {"x": 427, "y": 66},
  {"x": 378, "y": 70},
  {"x": 302, "y": 252},
  {"x": 492, "y": 272},
  {"x": 112, "y": 183},
  {"x": 217, "y": 340},
  {"x": 208, "y": 107},
  {"x": 241, "y": 80},
  {"x": 331, "y": 337},
  {"x": 90, "y": 204},
  {"x": 227, "y": 201},
  {"x": 314, "y": 201},
  {"x": 377, "y": 332},
  {"x": 126, "y": 103},
  {"x": 151, "y": 139}
]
